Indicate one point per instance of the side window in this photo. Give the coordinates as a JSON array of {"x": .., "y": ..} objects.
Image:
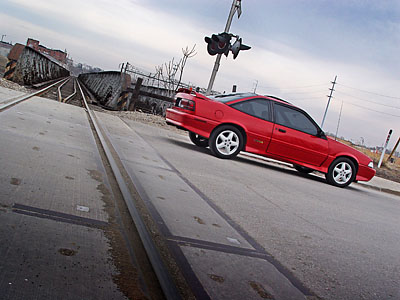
[
  {"x": 295, "y": 119},
  {"x": 259, "y": 108}
]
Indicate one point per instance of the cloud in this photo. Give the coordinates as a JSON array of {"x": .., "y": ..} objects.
[{"x": 119, "y": 21}]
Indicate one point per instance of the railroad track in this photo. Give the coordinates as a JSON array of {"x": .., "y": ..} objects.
[
  {"x": 65, "y": 91},
  {"x": 69, "y": 90}
]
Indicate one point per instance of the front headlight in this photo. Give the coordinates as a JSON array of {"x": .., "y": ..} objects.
[{"x": 371, "y": 165}]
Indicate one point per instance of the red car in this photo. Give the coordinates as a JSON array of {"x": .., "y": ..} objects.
[{"x": 267, "y": 126}]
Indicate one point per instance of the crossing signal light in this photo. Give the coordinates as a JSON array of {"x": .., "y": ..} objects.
[
  {"x": 221, "y": 44},
  {"x": 237, "y": 46},
  {"x": 211, "y": 45},
  {"x": 218, "y": 43}
]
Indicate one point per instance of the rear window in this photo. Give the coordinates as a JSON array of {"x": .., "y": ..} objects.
[
  {"x": 259, "y": 108},
  {"x": 224, "y": 98}
]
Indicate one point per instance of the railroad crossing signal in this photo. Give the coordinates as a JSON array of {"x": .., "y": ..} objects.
[
  {"x": 237, "y": 46},
  {"x": 235, "y": 8},
  {"x": 218, "y": 43},
  {"x": 221, "y": 44}
]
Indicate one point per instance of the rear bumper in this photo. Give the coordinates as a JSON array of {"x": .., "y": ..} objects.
[{"x": 196, "y": 124}]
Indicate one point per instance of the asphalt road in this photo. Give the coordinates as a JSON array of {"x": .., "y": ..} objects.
[{"x": 340, "y": 243}]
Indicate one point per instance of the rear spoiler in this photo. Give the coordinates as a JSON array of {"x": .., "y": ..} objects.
[{"x": 191, "y": 92}]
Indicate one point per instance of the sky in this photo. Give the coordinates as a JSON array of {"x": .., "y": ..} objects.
[{"x": 298, "y": 47}]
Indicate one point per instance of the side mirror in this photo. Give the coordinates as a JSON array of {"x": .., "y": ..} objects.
[{"x": 321, "y": 134}]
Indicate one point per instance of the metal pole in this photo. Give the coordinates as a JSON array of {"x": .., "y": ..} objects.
[
  {"x": 329, "y": 101},
  {"x": 384, "y": 148},
  {"x": 255, "y": 87},
  {"x": 218, "y": 59},
  {"x": 340, "y": 116}
]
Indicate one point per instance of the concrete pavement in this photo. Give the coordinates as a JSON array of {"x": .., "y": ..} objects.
[
  {"x": 218, "y": 259},
  {"x": 58, "y": 236}
]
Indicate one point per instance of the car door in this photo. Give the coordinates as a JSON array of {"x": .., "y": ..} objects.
[
  {"x": 296, "y": 136},
  {"x": 257, "y": 121}
]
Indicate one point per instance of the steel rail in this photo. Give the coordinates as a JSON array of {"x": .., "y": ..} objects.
[
  {"x": 26, "y": 97},
  {"x": 166, "y": 282},
  {"x": 59, "y": 96},
  {"x": 72, "y": 95}
]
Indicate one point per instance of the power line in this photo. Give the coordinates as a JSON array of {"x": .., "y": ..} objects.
[
  {"x": 308, "y": 92},
  {"x": 381, "y": 112},
  {"x": 391, "y": 97},
  {"x": 305, "y": 99},
  {"x": 293, "y": 88},
  {"x": 396, "y": 107}
]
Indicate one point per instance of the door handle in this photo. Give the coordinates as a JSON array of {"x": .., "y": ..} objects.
[{"x": 282, "y": 130}]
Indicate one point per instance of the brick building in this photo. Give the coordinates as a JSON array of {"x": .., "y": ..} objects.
[{"x": 57, "y": 54}]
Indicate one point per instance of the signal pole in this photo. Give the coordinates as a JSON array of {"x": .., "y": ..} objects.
[
  {"x": 236, "y": 6},
  {"x": 329, "y": 101}
]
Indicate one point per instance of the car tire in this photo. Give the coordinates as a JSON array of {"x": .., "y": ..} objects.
[
  {"x": 226, "y": 141},
  {"x": 198, "y": 140},
  {"x": 302, "y": 169},
  {"x": 341, "y": 172}
]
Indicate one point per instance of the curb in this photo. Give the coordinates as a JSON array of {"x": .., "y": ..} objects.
[{"x": 376, "y": 188}]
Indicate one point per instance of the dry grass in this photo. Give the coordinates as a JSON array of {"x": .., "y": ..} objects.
[{"x": 388, "y": 170}]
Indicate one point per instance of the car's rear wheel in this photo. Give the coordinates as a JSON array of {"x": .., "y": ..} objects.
[
  {"x": 198, "y": 140},
  {"x": 341, "y": 172},
  {"x": 302, "y": 169},
  {"x": 226, "y": 141}
]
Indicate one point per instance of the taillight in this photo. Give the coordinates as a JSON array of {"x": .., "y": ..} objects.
[{"x": 186, "y": 104}]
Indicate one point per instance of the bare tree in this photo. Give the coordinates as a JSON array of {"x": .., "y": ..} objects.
[
  {"x": 186, "y": 55},
  {"x": 165, "y": 74},
  {"x": 171, "y": 68}
]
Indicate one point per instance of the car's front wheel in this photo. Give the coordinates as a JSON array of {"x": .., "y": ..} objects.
[
  {"x": 341, "y": 172},
  {"x": 198, "y": 140},
  {"x": 226, "y": 141}
]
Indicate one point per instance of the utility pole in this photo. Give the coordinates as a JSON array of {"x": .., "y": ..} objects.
[
  {"x": 340, "y": 116},
  {"x": 255, "y": 86},
  {"x": 329, "y": 101},
  {"x": 236, "y": 6}
]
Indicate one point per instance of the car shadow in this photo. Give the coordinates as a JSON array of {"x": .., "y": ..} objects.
[
  {"x": 259, "y": 162},
  {"x": 187, "y": 145}
]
